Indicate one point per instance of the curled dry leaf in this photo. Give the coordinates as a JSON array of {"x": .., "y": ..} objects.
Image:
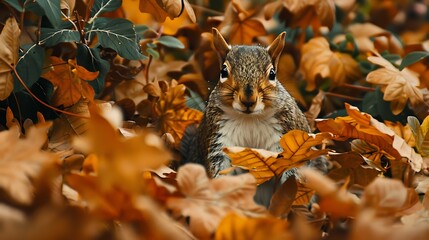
[
  {"x": 207, "y": 201},
  {"x": 339, "y": 67},
  {"x": 398, "y": 86},
  {"x": 363, "y": 126},
  {"x": 121, "y": 161},
  {"x": 263, "y": 165},
  {"x": 238, "y": 227},
  {"x": 22, "y": 161},
  {"x": 335, "y": 201},
  {"x": 305, "y": 13},
  {"x": 9, "y": 46},
  {"x": 160, "y": 9}
]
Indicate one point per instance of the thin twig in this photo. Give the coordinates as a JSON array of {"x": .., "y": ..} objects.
[
  {"x": 42, "y": 102},
  {"x": 146, "y": 73},
  {"x": 359, "y": 88},
  {"x": 343, "y": 96}
]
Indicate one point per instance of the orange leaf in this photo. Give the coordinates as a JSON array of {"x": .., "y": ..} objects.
[
  {"x": 319, "y": 60},
  {"x": 364, "y": 126},
  {"x": 263, "y": 165},
  {"x": 237, "y": 227},
  {"x": 9, "y": 46},
  {"x": 160, "y": 9}
]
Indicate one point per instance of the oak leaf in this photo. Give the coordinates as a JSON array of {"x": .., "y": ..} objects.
[
  {"x": 238, "y": 227},
  {"x": 207, "y": 201},
  {"x": 9, "y": 46},
  {"x": 22, "y": 161},
  {"x": 398, "y": 86},
  {"x": 121, "y": 161},
  {"x": 239, "y": 25},
  {"x": 363, "y": 126},
  {"x": 319, "y": 60},
  {"x": 160, "y": 9},
  {"x": 71, "y": 82},
  {"x": 263, "y": 165}
]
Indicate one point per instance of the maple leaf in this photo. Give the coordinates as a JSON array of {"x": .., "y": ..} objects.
[
  {"x": 22, "y": 161},
  {"x": 364, "y": 126},
  {"x": 160, "y": 9},
  {"x": 263, "y": 165},
  {"x": 319, "y": 60},
  {"x": 239, "y": 25},
  {"x": 238, "y": 227},
  {"x": 314, "y": 13},
  {"x": 173, "y": 114},
  {"x": 207, "y": 201},
  {"x": 9, "y": 46},
  {"x": 121, "y": 161},
  {"x": 71, "y": 82},
  {"x": 398, "y": 86}
]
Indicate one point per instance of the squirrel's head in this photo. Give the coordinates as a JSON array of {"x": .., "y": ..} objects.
[{"x": 248, "y": 81}]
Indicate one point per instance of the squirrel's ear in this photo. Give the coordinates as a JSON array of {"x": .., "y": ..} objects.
[
  {"x": 220, "y": 45},
  {"x": 276, "y": 48}
]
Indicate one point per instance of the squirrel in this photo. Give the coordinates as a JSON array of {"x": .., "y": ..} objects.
[{"x": 248, "y": 107}]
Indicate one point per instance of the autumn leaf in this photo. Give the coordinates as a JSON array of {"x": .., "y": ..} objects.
[
  {"x": 239, "y": 25},
  {"x": 22, "y": 161},
  {"x": 303, "y": 195},
  {"x": 364, "y": 126},
  {"x": 238, "y": 227},
  {"x": 9, "y": 46},
  {"x": 121, "y": 161},
  {"x": 304, "y": 13},
  {"x": 263, "y": 165},
  {"x": 339, "y": 67},
  {"x": 207, "y": 201},
  {"x": 398, "y": 86},
  {"x": 283, "y": 197},
  {"x": 160, "y": 9},
  {"x": 334, "y": 201},
  {"x": 71, "y": 82}
]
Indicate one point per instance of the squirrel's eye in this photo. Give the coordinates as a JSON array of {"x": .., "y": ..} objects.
[
  {"x": 224, "y": 72},
  {"x": 272, "y": 75}
]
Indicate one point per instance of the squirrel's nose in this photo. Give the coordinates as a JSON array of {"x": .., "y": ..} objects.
[{"x": 248, "y": 104}]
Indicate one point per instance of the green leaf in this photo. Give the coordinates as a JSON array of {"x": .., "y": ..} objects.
[
  {"x": 152, "y": 52},
  {"x": 172, "y": 42},
  {"x": 101, "y": 6},
  {"x": 91, "y": 60},
  {"x": 195, "y": 101},
  {"x": 117, "y": 34},
  {"x": 29, "y": 66},
  {"x": 51, "y": 37},
  {"x": 52, "y": 11},
  {"x": 15, "y": 4},
  {"x": 413, "y": 57}
]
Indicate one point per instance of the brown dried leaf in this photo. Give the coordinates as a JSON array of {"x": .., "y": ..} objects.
[
  {"x": 22, "y": 161},
  {"x": 160, "y": 9},
  {"x": 207, "y": 201},
  {"x": 9, "y": 46},
  {"x": 319, "y": 60},
  {"x": 283, "y": 198}
]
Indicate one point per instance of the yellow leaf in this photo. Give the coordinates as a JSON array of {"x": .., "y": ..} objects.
[
  {"x": 398, "y": 86},
  {"x": 263, "y": 165},
  {"x": 319, "y": 60},
  {"x": 238, "y": 227},
  {"x": 303, "y": 195},
  {"x": 9, "y": 46}
]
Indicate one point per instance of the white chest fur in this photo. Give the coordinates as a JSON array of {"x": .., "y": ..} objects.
[{"x": 253, "y": 131}]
